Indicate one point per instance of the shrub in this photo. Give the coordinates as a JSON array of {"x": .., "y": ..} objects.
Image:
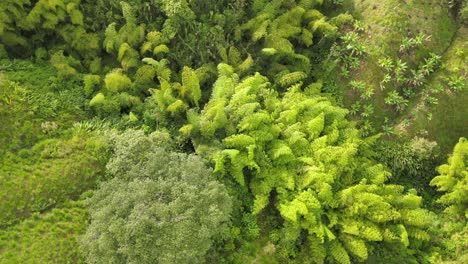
[
  {"x": 116, "y": 81},
  {"x": 452, "y": 229}
]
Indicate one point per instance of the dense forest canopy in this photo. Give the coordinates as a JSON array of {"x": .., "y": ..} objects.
[{"x": 233, "y": 131}]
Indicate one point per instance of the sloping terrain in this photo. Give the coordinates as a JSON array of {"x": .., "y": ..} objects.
[
  {"x": 445, "y": 121},
  {"x": 389, "y": 25}
]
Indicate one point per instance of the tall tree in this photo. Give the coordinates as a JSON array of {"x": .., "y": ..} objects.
[{"x": 160, "y": 207}]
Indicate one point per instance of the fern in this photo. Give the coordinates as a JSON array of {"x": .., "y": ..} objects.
[
  {"x": 245, "y": 65},
  {"x": 239, "y": 141},
  {"x": 160, "y": 49},
  {"x": 64, "y": 65},
  {"x": 97, "y": 100},
  {"x": 161, "y": 68},
  {"x": 356, "y": 247}
]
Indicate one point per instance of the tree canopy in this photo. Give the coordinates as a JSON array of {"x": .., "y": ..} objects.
[{"x": 160, "y": 207}]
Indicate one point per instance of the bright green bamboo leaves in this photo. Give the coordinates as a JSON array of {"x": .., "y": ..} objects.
[
  {"x": 302, "y": 150},
  {"x": 453, "y": 180}
]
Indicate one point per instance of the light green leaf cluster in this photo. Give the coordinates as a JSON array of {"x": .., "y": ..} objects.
[
  {"x": 116, "y": 81},
  {"x": 453, "y": 180},
  {"x": 65, "y": 65},
  {"x": 91, "y": 83},
  {"x": 115, "y": 95}
]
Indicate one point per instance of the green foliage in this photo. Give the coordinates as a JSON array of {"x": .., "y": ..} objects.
[
  {"x": 172, "y": 99},
  {"x": 91, "y": 83},
  {"x": 302, "y": 151},
  {"x": 451, "y": 230},
  {"x": 65, "y": 65},
  {"x": 457, "y": 84},
  {"x": 232, "y": 57},
  {"x": 23, "y": 23},
  {"x": 116, "y": 97},
  {"x": 412, "y": 163},
  {"x": 460, "y": 7},
  {"x": 190, "y": 89},
  {"x": 403, "y": 79},
  {"x": 116, "y": 81},
  {"x": 286, "y": 32},
  {"x": 97, "y": 100},
  {"x": 45, "y": 238},
  {"x": 13, "y": 106},
  {"x": 306, "y": 186},
  {"x": 128, "y": 57},
  {"x": 125, "y": 42},
  {"x": 3, "y": 52},
  {"x": 33, "y": 96},
  {"x": 197, "y": 28},
  {"x": 349, "y": 51},
  {"x": 154, "y": 44},
  {"x": 451, "y": 235},
  {"x": 453, "y": 180},
  {"x": 49, "y": 173},
  {"x": 130, "y": 33},
  {"x": 160, "y": 206},
  {"x": 144, "y": 80},
  {"x": 394, "y": 98},
  {"x": 411, "y": 43},
  {"x": 193, "y": 29}
]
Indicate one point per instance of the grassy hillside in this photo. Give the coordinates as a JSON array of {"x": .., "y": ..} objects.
[
  {"x": 387, "y": 30},
  {"x": 45, "y": 238},
  {"x": 446, "y": 121}
]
